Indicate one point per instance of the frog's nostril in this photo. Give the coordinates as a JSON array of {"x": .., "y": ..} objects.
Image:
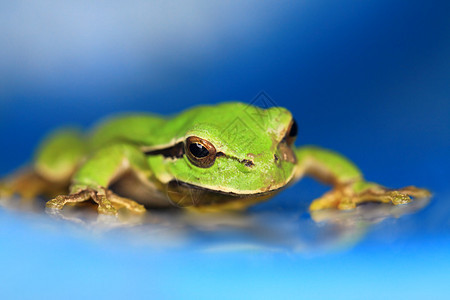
[
  {"x": 285, "y": 153},
  {"x": 248, "y": 163}
]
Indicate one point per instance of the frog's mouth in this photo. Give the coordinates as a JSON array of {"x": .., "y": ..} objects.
[{"x": 185, "y": 194}]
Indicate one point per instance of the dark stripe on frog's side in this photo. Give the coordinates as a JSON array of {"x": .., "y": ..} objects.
[{"x": 177, "y": 151}]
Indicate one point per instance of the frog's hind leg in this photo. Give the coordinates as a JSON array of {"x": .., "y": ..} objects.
[
  {"x": 28, "y": 184},
  {"x": 55, "y": 161}
]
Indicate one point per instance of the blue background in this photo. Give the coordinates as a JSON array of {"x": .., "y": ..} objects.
[{"x": 369, "y": 79}]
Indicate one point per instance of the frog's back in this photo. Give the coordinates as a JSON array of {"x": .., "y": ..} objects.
[
  {"x": 153, "y": 130},
  {"x": 136, "y": 128}
]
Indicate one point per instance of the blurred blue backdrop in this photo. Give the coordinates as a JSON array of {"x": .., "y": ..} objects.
[{"x": 367, "y": 78}]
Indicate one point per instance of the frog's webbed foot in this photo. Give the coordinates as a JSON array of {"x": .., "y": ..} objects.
[
  {"x": 108, "y": 202},
  {"x": 348, "y": 197}
]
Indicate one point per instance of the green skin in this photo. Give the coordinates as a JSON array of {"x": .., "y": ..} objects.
[{"x": 255, "y": 159}]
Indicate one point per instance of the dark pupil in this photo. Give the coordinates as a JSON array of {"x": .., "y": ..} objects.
[
  {"x": 294, "y": 129},
  {"x": 198, "y": 150}
]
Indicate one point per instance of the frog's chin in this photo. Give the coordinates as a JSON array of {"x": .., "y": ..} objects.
[{"x": 185, "y": 194}]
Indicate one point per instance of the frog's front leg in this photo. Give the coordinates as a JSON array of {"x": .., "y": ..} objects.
[
  {"x": 92, "y": 179},
  {"x": 349, "y": 186}
]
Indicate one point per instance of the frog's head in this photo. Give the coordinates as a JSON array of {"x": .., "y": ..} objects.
[{"x": 232, "y": 149}]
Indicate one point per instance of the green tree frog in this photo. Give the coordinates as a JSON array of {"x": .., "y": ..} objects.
[{"x": 221, "y": 157}]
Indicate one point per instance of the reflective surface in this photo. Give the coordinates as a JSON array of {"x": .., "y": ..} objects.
[
  {"x": 282, "y": 230},
  {"x": 173, "y": 254}
]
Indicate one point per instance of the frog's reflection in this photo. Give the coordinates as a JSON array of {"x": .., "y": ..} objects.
[{"x": 281, "y": 230}]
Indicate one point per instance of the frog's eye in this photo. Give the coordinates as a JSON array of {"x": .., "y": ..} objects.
[
  {"x": 200, "y": 152},
  {"x": 292, "y": 133}
]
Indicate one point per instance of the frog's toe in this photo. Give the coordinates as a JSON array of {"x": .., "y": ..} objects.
[
  {"x": 398, "y": 198},
  {"x": 346, "y": 203},
  {"x": 107, "y": 209},
  {"x": 105, "y": 206},
  {"x": 415, "y": 192},
  {"x": 56, "y": 203},
  {"x": 129, "y": 204},
  {"x": 60, "y": 201},
  {"x": 328, "y": 200}
]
